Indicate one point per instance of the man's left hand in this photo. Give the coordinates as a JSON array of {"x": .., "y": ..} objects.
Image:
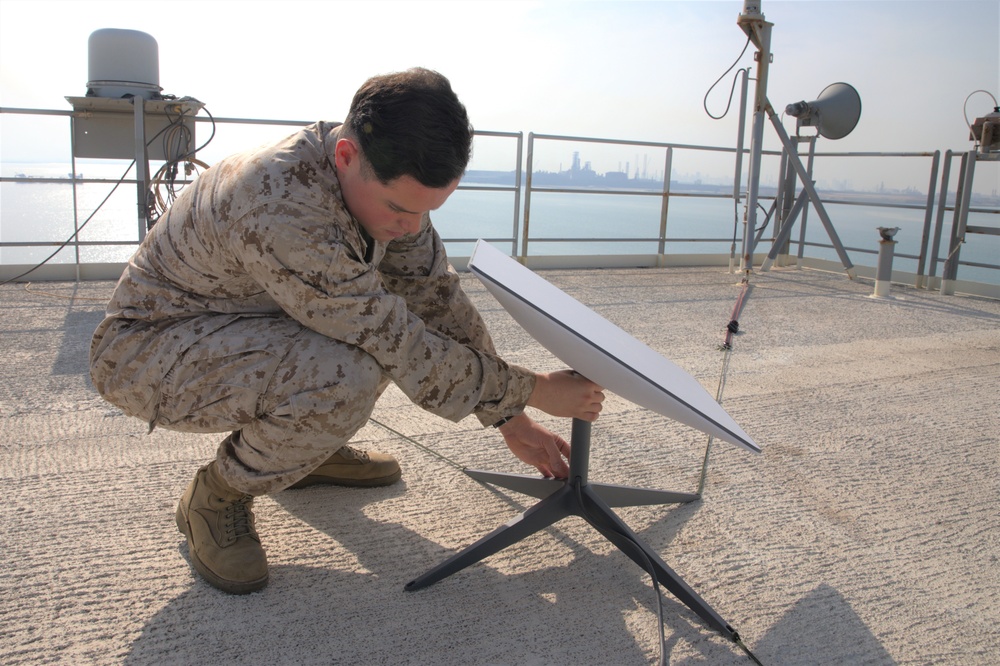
[{"x": 537, "y": 446}]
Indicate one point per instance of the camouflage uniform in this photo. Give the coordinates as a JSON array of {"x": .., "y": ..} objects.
[{"x": 258, "y": 305}]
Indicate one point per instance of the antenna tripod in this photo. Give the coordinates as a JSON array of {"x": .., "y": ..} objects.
[{"x": 576, "y": 496}]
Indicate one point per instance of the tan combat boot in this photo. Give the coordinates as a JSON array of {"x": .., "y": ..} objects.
[
  {"x": 219, "y": 525},
  {"x": 351, "y": 467}
]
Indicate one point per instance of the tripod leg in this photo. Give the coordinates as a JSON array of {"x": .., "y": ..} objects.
[
  {"x": 546, "y": 512},
  {"x": 808, "y": 187},
  {"x": 614, "y": 495},
  {"x": 605, "y": 521},
  {"x": 534, "y": 486}
]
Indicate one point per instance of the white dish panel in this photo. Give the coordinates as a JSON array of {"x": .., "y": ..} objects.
[{"x": 600, "y": 350}]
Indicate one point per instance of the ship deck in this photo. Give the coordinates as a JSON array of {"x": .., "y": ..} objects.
[{"x": 867, "y": 532}]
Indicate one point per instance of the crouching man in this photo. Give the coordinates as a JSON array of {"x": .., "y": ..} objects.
[{"x": 281, "y": 293}]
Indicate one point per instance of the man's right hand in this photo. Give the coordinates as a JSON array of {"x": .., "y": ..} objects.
[{"x": 567, "y": 393}]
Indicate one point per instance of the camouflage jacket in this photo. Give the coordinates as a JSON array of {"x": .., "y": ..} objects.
[{"x": 266, "y": 232}]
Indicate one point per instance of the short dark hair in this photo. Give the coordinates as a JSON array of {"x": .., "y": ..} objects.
[{"x": 411, "y": 124}]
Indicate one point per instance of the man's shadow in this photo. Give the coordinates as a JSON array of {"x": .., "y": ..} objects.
[
  {"x": 522, "y": 612},
  {"x": 568, "y": 614}
]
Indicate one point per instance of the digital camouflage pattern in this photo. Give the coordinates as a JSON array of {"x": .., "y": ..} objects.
[{"x": 258, "y": 305}]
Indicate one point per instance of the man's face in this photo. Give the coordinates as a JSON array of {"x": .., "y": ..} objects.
[{"x": 386, "y": 211}]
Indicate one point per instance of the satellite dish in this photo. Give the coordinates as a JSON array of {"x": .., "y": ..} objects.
[
  {"x": 599, "y": 350},
  {"x": 834, "y": 114}
]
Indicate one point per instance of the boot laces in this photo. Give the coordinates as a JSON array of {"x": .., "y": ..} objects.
[
  {"x": 239, "y": 518},
  {"x": 348, "y": 452}
]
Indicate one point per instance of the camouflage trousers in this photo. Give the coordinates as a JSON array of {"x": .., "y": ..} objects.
[{"x": 289, "y": 397}]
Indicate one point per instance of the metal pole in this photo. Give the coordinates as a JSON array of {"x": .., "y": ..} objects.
[
  {"x": 141, "y": 165},
  {"x": 579, "y": 462},
  {"x": 759, "y": 32},
  {"x": 527, "y": 198},
  {"x": 939, "y": 222},
  {"x": 805, "y": 211},
  {"x": 783, "y": 202},
  {"x": 72, "y": 175},
  {"x": 928, "y": 214},
  {"x": 517, "y": 190},
  {"x": 740, "y": 135},
  {"x": 738, "y": 174},
  {"x": 950, "y": 273},
  {"x": 753, "y": 186},
  {"x": 665, "y": 206},
  {"x": 781, "y": 237}
]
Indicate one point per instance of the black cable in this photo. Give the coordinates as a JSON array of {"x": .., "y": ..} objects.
[
  {"x": 704, "y": 102},
  {"x": 74, "y": 234},
  {"x": 177, "y": 148},
  {"x": 743, "y": 646},
  {"x": 736, "y": 225},
  {"x": 648, "y": 566}
]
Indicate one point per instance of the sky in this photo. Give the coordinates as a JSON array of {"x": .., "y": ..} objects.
[{"x": 627, "y": 70}]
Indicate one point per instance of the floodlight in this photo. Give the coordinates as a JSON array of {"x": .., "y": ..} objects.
[{"x": 834, "y": 114}]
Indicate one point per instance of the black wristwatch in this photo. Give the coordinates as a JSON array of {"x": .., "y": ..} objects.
[{"x": 502, "y": 421}]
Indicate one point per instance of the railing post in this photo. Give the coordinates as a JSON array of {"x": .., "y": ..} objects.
[
  {"x": 928, "y": 214},
  {"x": 527, "y": 199},
  {"x": 962, "y": 202},
  {"x": 517, "y": 191},
  {"x": 665, "y": 205},
  {"x": 939, "y": 222},
  {"x": 141, "y": 165},
  {"x": 76, "y": 216}
]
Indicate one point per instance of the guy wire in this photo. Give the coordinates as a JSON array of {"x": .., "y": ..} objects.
[
  {"x": 420, "y": 446},
  {"x": 727, "y": 348}
]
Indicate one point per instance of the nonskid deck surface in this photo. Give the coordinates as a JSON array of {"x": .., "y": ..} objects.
[{"x": 866, "y": 532}]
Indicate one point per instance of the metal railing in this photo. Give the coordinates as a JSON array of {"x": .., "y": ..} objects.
[
  {"x": 664, "y": 194},
  {"x": 522, "y": 238},
  {"x": 933, "y": 229}
]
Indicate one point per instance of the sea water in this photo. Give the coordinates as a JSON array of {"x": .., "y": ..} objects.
[{"x": 579, "y": 223}]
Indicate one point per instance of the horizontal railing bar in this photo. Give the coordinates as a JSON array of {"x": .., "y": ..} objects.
[
  {"x": 976, "y": 229},
  {"x": 650, "y": 144},
  {"x": 574, "y": 239},
  {"x": 488, "y": 188},
  {"x": 874, "y": 154},
  {"x": 873, "y": 204},
  {"x": 251, "y": 121},
  {"x": 97, "y": 243},
  {"x": 35, "y": 112},
  {"x": 645, "y": 193}
]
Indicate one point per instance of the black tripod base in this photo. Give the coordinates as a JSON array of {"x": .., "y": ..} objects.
[{"x": 592, "y": 502}]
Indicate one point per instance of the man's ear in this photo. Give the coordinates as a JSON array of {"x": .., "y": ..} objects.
[{"x": 346, "y": 154}]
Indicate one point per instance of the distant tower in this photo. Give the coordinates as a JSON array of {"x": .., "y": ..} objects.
[{"x": 576, "y": 161}]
